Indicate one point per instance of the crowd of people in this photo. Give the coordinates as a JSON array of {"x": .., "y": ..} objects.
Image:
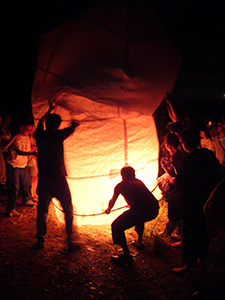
[
  {"x": 192, "y": 160},
  {"x": 193, "y": 167},
  {"x": 34, "y": 164},
  {"x": 16, "y": 154}
]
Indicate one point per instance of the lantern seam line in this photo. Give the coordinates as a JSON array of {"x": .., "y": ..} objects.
[{"x": 104, "y": 175}]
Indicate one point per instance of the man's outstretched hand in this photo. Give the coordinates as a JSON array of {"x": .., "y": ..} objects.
[{"x": 107, "y": 211}]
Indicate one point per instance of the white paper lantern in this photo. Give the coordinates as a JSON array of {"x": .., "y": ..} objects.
[{"x": 108, "y": 68}]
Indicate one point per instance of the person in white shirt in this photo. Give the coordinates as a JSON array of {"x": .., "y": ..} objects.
[{"x": 17, "y": 169}]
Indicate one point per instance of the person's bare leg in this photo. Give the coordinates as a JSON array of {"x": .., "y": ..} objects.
[{"x": 34, "y": 183}]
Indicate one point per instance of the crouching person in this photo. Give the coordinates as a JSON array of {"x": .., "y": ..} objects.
[{"x": 143, "y": 208}]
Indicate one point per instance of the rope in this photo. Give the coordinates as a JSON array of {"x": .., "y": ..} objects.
[
  {"x": 91, "y": 215},
  {"x": 97, "y": 214}
]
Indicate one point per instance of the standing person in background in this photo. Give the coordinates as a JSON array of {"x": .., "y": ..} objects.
[
  {"x": 171, "y": 166},
  {"x": 219, "y": 143},
  {"x": 52, "y": 175},
  {"x": 33, "y": 166},
  {"x": 206, "y": 140},
  {"x": 173, "y": 163},
  {"x": 213, "y": 130},
  {"x": 5, "y": 141},
  {"x": 196, "y": 179},
  {"x": 17, "y": 169}
]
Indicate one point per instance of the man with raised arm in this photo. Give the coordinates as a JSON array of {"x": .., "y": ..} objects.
[{"x": 52, "y": 174}]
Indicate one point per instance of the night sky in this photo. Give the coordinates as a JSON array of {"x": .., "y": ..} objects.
[{"x": 196, "y": 27}]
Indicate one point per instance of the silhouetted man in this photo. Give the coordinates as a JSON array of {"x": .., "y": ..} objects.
[
  {"x": 143, "y": 208},
  {"x": 52, "y": 174}
]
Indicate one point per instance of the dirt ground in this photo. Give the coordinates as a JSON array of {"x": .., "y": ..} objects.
[{"x": 55, "y": 273}]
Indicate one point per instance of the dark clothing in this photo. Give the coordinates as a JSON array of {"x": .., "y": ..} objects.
[
  {"x": 127, "y": 220},
  {"x": 137, "y": 195},
  {"x": 17, "y": 177},
  {"x": 47, "y": 189},
  {"x": 143, "y": 208},
  {"x": 177, "y": 159},
  {"x": 195, "y": 180},
  {"x": 50, "y": 150},
  {"x": 196, "y": 240},
  {"x": 214, "y": 210},
  {"x": 52, "y": 181}
]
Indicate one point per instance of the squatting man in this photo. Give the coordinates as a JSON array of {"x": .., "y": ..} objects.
[{"x": 144, "y": 207}]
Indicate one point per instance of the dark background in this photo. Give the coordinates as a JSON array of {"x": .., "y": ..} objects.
[{"x": 196, "y": 27}]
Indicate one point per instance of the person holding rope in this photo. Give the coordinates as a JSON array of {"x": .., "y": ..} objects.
[
  {"x": 143, "y": 208},
  {"x": 52, "y": 174}
]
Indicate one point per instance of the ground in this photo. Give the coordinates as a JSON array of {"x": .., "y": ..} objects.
[{"x": 56, "y": 273}]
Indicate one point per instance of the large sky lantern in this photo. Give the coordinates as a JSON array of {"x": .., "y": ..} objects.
[{"x": 108, "y": 68}]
